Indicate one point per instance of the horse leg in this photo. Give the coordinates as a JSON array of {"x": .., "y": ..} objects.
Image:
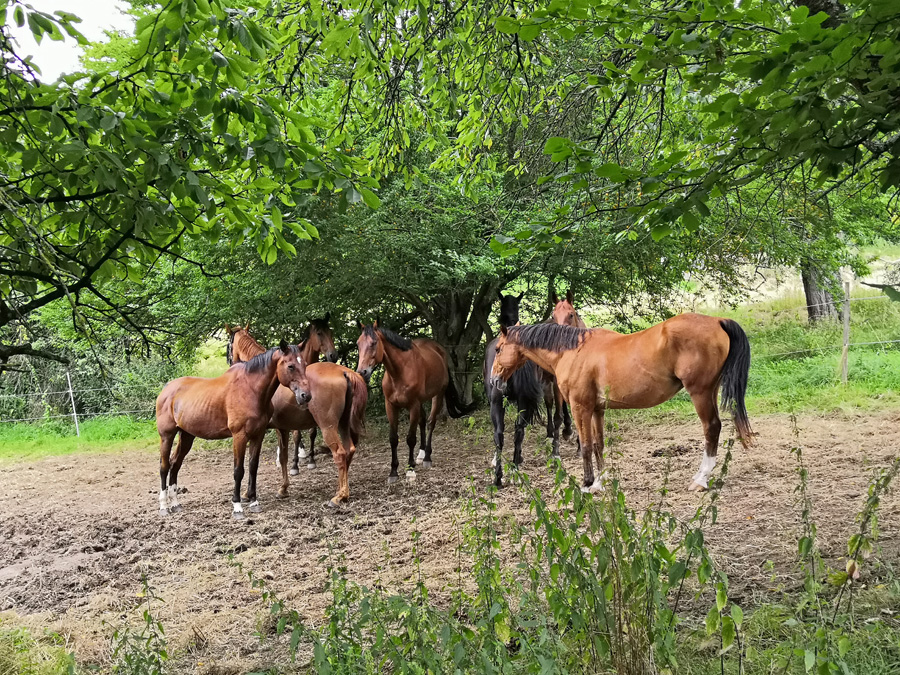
[
  {"x": 597, "y": 428},
  {"x": 240, "y": 449},
  {"x": 437, "y": 405},
  {"x": 554, "y": 419},
  {"x": 333, "y": 440},
  {"x": 583, "y": 418},
  {"x": 255, "y": 449},
  {"x": 519, "y": 437},
  {"x": 311, "y": 460},
  {"x": 415, "y": 412},
  {"x": 498, "y": 414},
  {"x": 567, "y": 420},
  {"x": 395, "y": 439},
  {"x": 422, "y": 421},
  {"x": 284, "y": 438},
  {"x": 165, "y": 450},
  {"x": 708, "y": 411},
  {"x": 185, "y": 441},
  {"x": 299, "y": 451}
]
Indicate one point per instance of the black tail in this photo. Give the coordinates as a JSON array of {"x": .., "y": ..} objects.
[
  {"x": 344, "y": 425},
  {"x": 455, "y": 408},
  {"x": 734, "y": 379}
]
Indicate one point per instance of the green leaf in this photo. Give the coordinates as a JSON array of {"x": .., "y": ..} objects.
[
  {"x": 505, "y": 24},
  {"x": 612, "y": 171},
  {"x": 555, "y": 144},
  {"x": 529, "y": 32},
  {"x": 721, "y": 596},
  {"x": 843, "y": 646},
  {"x": 370, "y": 198},
  {"x": 737, "y": 614},
  {"x": 728, "y": 634},
  {"x": 809, "y": 656},
  {"x": 219, "y": 59}
]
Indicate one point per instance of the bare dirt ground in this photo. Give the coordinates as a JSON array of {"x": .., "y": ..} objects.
[{"x": 76, "y": 532}]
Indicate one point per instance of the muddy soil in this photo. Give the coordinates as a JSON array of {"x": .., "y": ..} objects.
[{"x": 77, "y": 532}]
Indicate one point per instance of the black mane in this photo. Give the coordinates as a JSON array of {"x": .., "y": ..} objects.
[
  {"x": 552, "y": 336},
  {"x": 401, "y": 343},
  {"x": 261, "y": 361}
]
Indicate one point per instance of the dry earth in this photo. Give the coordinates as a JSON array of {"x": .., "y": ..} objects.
[{"x": 76, "y": 532}]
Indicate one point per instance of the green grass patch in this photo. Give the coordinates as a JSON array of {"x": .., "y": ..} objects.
[
  {"x": 22, "y": 653},
  {"x": 33, "y": 441}
]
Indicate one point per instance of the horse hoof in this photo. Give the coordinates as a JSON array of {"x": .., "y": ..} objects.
[
  {"x": 177, "y": 508},
  {"x": 238, "y": 515},
  {"x": 696, "y": 487},
  {"x": 281, "y": 495},
  {"x": 586, "y": 489},
  {"x": 294, "y": 472},
  {"x": 311, "y": 465},
  {"x": 254, "y": 508},
  {"x": 164, "y": 512},
  {"x": 427, "y": 464},
  {"x": 393, "y": 479},
  {"x": 331, "y": 504},
  {"x": 411, "y": 476}
]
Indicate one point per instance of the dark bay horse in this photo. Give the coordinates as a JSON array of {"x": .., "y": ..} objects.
[
  {"x": 528, "y": 387},
  {"x": 338, "y": 408},
  {"x": 237, "y": 404},
  {"x": 598, "y": 369},
  {"x": 319, "y": 340},
  {"x": 414, "y": 372}
]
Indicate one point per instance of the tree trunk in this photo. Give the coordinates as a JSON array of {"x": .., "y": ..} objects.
[
  {"x": 457, "y": 319},
  {"x": 817, "y": 284}
]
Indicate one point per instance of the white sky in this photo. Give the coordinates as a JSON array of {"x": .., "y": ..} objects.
[{"x": 55, "y": 58}]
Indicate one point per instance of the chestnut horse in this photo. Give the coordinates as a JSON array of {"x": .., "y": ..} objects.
[
  {"x": 236, "y": 404},
  {"x": 319, "y": 340},
  {"x": 598, "y": 369},
  {"x": 528, "y": 387},
  {"x": 338, "y": 407},
  {"x": 414, "y": 372}
]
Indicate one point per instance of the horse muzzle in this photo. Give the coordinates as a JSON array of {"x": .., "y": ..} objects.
[
  {"x": 331, "y": 357},
  {"x": 366, "y": 373},
  {"x": 498, "y": 383},
  {"x": 303, "y": 397}
]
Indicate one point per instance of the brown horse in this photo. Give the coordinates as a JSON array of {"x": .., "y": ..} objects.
[
  {"x": 598, "y": 369},
  {"x": 319, "y": 340},
  {"x": 414, "y": 372},
  {"x": 338, "y": 407},
  {"x": 236, "y": 404},
  {"x": 564, "y": 310}
]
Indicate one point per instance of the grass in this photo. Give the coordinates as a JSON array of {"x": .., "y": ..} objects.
[
  {"x": 21, "y": 653},
  {"x": 23, "y": 442}
]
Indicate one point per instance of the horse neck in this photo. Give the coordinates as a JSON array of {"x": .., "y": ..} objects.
[
  {"x": 309, "y": 354},
  {"x": 545, "y": 358},
  {"x": 394, "y": 358},
  {"x": 265, "y": 382},
  {"x": 249, "y": 347}
]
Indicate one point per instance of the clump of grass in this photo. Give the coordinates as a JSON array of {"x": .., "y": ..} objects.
[
  {"x": 54, "y": 437},
  {"x": 22, "y": 653}
]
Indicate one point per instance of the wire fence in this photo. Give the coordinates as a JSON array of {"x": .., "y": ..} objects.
[{"x": 71, "y": 401}]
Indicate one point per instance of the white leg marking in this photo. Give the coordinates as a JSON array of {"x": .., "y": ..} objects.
[
  {"x": 173, "y": 497},
  {"x": 302, "y": 452},
  {"x": 163, "y": 502},
  {"x": 707, "y": 465},
  {"x": 411, "y": 476},
  {"x": 237, "y": 507},
  {"x": 421, "y": 455},
  {"x": 494, "y": 462}
]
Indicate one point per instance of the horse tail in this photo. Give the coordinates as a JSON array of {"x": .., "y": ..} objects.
[
  {"x": 455, "y": 407},
  {"x": 358, "y": 393},
  {"x": 734, "y": 379}
]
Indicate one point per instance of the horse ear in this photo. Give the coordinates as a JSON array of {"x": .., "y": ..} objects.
[
  {"x": 228, "y": 329},
  {"x": 327, "y": 316},
  {"x": 554, "y": 299},
  {"x": 301, "y": 346},
  {"x": 521, "y": 295},
  {"x": 518, "y": 323},
  {"x": 503, "y": 330},
  {"x": 247, "y": 327},
  {"x": 359, "y": 324},
  {"x": 570, "y": 296},
  {"x": 376, "y": 322},
  {"x": 284, "y": 346}
]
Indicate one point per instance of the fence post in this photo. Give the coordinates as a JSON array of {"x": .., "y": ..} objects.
[
  {"x": 72, "y": 399},
  {"x": 845, "y": 354}
]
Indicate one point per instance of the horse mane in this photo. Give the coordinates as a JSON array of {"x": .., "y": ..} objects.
[
  {"x": 261, "y": 361},
  {"x": 229, "y": 350},
  {"x": 551, "y": 336},
  {"x": 401, "y": 343}
]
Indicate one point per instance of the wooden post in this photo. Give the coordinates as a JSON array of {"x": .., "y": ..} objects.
[
  {"x": 845, "y": 354},
  {"x": 72, "y": 399}
]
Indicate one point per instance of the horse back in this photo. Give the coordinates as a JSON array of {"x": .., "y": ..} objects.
[
  {"x": 434, "y": 365},
  {"x": 196, "y": 405}
]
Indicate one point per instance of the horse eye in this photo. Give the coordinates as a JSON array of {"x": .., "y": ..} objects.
[{"x": 291, "y": 367}]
